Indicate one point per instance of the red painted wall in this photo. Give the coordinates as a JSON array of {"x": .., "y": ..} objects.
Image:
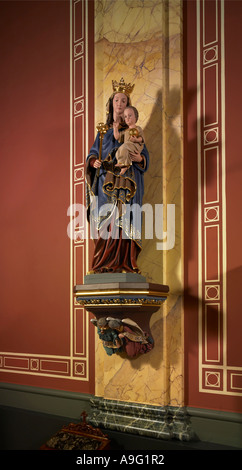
[
  {"x": 233, "y": 77},
  {"x": 213, "y": 228},
  {"x": 35, "y": 332}
]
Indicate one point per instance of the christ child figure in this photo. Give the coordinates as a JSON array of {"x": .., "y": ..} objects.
[{"x": 132, "y": 139}]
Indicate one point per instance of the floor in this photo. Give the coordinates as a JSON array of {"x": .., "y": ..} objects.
[{"x": 27, "y": 430}]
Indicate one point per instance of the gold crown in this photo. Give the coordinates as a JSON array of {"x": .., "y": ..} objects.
[{"x": 122, "y": 87}]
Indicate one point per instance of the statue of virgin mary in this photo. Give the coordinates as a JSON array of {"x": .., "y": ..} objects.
[{"x": 113, "y": 201}]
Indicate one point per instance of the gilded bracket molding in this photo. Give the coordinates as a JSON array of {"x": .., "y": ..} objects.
[{"x": 122, "y": 304}]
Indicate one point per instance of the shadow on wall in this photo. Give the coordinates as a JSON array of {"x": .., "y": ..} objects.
[
  {"x": 151, "y": 259},
  {"x": 157, "y": 189}
]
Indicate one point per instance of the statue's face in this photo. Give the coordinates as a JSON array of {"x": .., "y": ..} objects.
[
  {"x": 129, "y": 117},
  {"x": 120, "y": 101},
  {"x": 104, "y": 328}
]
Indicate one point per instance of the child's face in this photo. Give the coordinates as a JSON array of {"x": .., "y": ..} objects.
[{"x": 129, "y": 117}]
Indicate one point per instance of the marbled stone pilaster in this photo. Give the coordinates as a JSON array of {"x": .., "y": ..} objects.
[
  {"x": 142, "y": 42},
  {"x": 144, "y": 420}
]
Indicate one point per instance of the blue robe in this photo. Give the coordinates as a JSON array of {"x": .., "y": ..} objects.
[
  {"x": 109, "y": 339},
  {"x": 120, "y": 192}
]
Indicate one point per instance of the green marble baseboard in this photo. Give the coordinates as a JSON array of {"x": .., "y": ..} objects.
[
  {"x": 144, "y": 420},
  {"x": 171, "y": 423}
]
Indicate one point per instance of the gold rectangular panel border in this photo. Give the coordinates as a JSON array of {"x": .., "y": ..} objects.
[
  {"x": 207, "y": 257},
  {"x": 208, "y": 70},
  {"x": 207, "y": 359},
  {"x": 208, "y": 151},
  {"x": 72, "y": 366},
  {"x": 219, "y": 379},
  {"x": 215, "y": 5}
]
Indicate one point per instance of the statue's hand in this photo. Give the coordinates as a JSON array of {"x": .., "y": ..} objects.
[
  {"x": 97, "y": 164},
  {"x": 135, "y": 139},
  {"x": 136, "y": 157},
  {"x": 116, "y": 118}
]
